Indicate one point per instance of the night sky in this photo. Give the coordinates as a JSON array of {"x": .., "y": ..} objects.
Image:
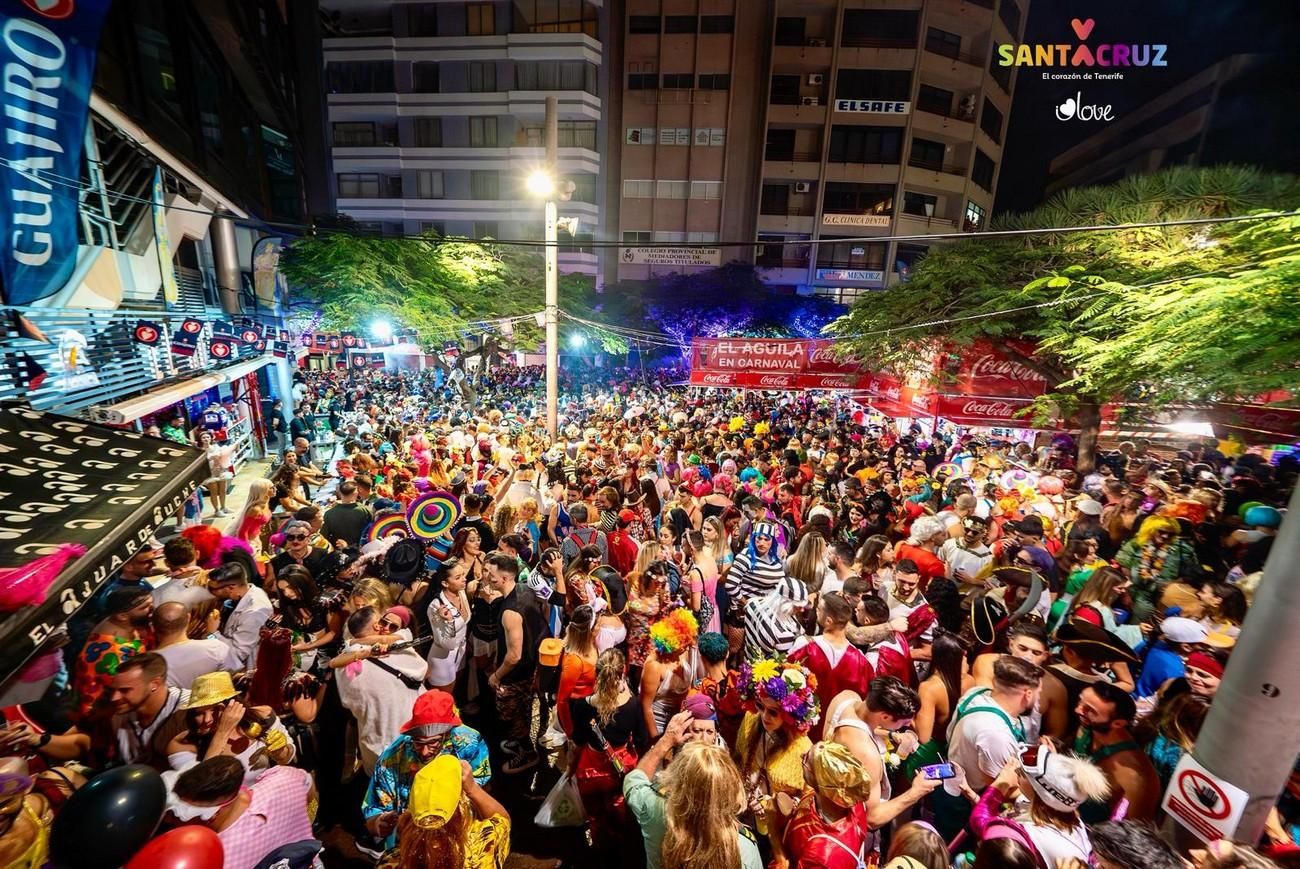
[{"x": 1198, "y": 33}]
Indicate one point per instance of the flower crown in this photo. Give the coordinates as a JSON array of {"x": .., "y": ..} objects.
[{"x": 785, "y": 682}]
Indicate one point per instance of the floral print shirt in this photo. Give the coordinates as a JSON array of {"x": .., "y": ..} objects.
[{"x": 390, "y": 786}]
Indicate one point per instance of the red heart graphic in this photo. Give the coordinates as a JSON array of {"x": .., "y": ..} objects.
[{"x": 1083, "y": 29}]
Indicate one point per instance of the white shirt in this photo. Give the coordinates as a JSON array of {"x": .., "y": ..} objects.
[
  {"x": 243, "y": 629},
  {"x": 380, "y": 701},
  {"x": 981, "y": 742},
  {"x": 188, "y": 660},
  {"x": 831, "y": 581},
  {"x": 971, "y": 561},
  {"x": 898, "y": 609},
  {"x": 190, "y": 589}
]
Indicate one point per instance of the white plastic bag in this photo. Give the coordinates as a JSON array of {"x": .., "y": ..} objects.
[
  {"x": 554, "y": 737},
  {"x": 563, "y": 805}
]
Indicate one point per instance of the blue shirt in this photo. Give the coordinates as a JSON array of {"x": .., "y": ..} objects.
[{"x": 1161, "y": 665}]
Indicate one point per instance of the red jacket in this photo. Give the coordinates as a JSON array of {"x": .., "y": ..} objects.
[{"x": 622, "y": 550}]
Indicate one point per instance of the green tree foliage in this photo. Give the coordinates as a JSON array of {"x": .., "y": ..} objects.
[
  {"x": 444, "y": 289},
  {"x": 1149, "y": 315}
]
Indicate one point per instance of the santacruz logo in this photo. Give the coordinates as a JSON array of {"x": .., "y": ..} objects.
[{"x": 1065, "y": 54}]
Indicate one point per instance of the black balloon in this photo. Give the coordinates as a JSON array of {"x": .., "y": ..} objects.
[{"x": 109, "y": 819}]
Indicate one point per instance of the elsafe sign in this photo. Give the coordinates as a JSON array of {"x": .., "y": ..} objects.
[
  {"x": 875, "y": 107},
  {"x": 1202, "y": 802}
]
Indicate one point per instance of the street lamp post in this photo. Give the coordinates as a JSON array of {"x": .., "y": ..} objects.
[{"x": 544, "y": 183}]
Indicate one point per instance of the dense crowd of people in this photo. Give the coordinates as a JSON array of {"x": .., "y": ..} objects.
[{"x": 732, "y": 630}]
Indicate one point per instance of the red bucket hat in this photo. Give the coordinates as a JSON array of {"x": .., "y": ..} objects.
[{"x": 434, "y": 710}]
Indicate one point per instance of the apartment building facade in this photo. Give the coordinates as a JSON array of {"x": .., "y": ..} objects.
[
  {"x": 883, "y": 119},
  {"x": 436, "y": 114}
]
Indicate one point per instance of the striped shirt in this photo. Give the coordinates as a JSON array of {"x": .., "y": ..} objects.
[
  {"x": 770, "y": 626},
  {"x": 750, "y": 579},
  {"x": 276, "y": 816}
]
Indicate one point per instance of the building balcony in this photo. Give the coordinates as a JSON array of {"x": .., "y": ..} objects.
[
  {"x": 460, "y": 209},
  {"x": 932, "y": 176},
  {"x": 800, "y": 167},
  {"x": 574, "y": 105},
  {"x": 929, "y": 123},
  {"x": 510, "y": 46},
  {"x": 919, "y": 224},
  {"x": 952, "y": 70},
  {"x": 867, "y": 57},
  {"x": 863, "y": 173},
  {"x": 802, "y": 58},
  {"x": 793, "y": 220},
  {"x": 798, "y": 115},
  {"x": 578, "y": 262},
  {"x": 520, "y": 158}
]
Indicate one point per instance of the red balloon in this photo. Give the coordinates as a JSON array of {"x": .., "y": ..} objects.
[{"x": 187, "y": 847}]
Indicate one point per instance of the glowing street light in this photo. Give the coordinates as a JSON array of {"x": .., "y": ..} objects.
[
  {"x": 541, "y": 184},
  {"x": 577, "y": 341},
  {"x": 382, "y": 330}
]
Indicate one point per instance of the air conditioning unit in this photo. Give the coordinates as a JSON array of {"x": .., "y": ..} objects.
[
  {"x": 803, "y": 187},
  {"x": 810, "y": 101},
  {"x": 816, "y": 78}
]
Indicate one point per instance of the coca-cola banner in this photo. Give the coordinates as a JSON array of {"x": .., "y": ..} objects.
[
  {"x": 759, "y": 363},
  {"x": 812, "y": 356},
  {"x": 1258, "y": 422},
  {"x": 985, "y": 369},
  {"x": 977, "y": 410},
  {"x": 782, "y": 380}
]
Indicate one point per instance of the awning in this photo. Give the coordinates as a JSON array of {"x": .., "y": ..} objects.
[
  {"x": 71, "y": 481},
  {"x": 131, "y": 409}
]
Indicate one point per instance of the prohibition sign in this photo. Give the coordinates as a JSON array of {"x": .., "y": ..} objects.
[{"x": 1192, "y": 782}]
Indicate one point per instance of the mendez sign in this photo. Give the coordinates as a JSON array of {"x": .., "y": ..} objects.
[
  {"x": 865, "y": 276},
  {"x": 874, "y": 107},
  {"x": 47, "y": 51}
]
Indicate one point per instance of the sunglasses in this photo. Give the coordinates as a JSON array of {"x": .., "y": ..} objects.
[{"x": 295, "y": 537}]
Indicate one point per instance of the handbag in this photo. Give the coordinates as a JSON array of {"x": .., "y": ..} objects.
[{"x": 562, "y": 806}]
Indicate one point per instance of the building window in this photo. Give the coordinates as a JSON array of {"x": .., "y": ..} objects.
[
  {"x": 428, "y": 132},
  {"x": 706, "y": 189},
  {"x": 486, "y": 229},
  {"x": 637, "y": 236},
  {"x": 933, "y": 99},
  {"x": 480, "y": 19},
  {"x": 718, "y": 81},
  {"x": 1000, "y": 74},
  {"x": 775, "y": 199},
  {"x": 880, "y": 28},
  {"x": 671, "y": 189},
  {"x": 642, "y": 81},
  {"x": 484, "y": 184},
  {"x": 790, "y": 31},
  {"x": 842, "y": 295},
  {"x": 702, "y": 237},
  {"x": 576, "y": 134},
  {"x": 927, "y": 154},
  {"x": 669, "y": 237},
  {"x": 874, "y": 84},
  {"x": 482, "y": 76},
  {"x": 974, "y": 217},
  {"x": 851, "y": 254},
  {"x": 1009, "y": 12},
  {"x": 908, "y": 255},
  {"x": 942, "y": 42},
  {"x": 678, "y": 81},
  {"x": 717, "y": 24},
  {"x": 982, "y": 170},
  {"x": 428, "y": 184},
  {"x": 920, "y": 204},
  {"x": 991, "y": 121},
  {"x": 785, "y": 90},
  {"x": 638, "y": 189},
  {"x": 584, "y": 188},
  {"x": 550, "y": 75},
  {"x": 679, "y": 23},
  {"x": 354, "y": 185},
  {"x": 556, "y": 16},
  {"x": 482, "y": 132},
  {"x": 847, "y": 198},
  {"x": 422, "y": 20},
  {"x": 866, "y": 144},
  {"x": 780, "y": 145},
  {"x": 356, "y": 134},
  {"x": 425, "y": 78},
  {"x": 360, "y": 77},
  {"x": 433, "y": 227},
  {"x": 643, "y": 24}
]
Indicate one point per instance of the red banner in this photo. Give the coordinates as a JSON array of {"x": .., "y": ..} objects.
[
  {"x": 1257, "y": 421},
  {"x": 759, "y": 363},
  {"x": 782, "y": 380},
  {"x": 977, "y": 410},
  {"x": 984, "y": 369}
]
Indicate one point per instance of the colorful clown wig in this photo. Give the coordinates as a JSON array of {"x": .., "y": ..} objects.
[
  {"x": 786, "y": 683},
  {"x": 1152, "y": 525},
  {"x": 674, "y": 634}
]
